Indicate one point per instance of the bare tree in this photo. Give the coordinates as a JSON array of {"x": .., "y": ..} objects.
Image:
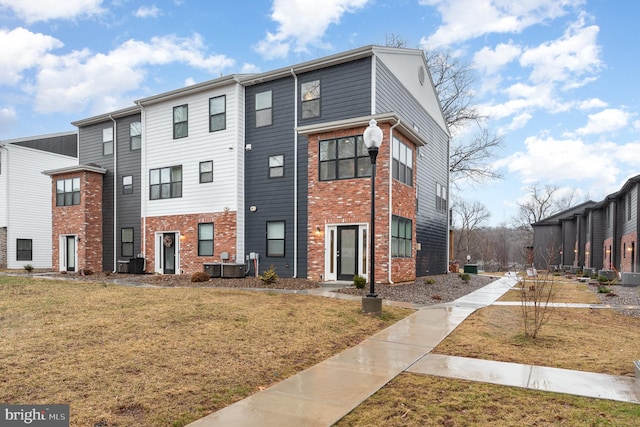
[
  {"x": 542, "y": 202},
  {"x": 472, "y": 216}
]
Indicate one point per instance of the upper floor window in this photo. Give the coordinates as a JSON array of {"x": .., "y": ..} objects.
[
  {"x": 276, "y": 166},
  {"x": 217, "y": 113},
  {"x": 344, "y": 158},
  {"x": 310, "y": 98},
  {"x": 205, "y": 239},
  {"x": 165, "y": 183},
  {"x": 402, "y": 162},
  {"x": 24, "y": 249},
  {"x": 275, "y": 238},
  {"x": 180, "y": 121},
  {"x": 263, "y": 108},
  {"x": 401, "y": 237},
  {"x": 441, "y": 197},
  {"x": 127, "y": 184},
  {"x": 206, "y": 171},
  {"x": 126, "y": 242},
  {"x": 107, "y": 141},
  {"x": 68, "y": 192},
  {"x": 629, "y": 201},
  {"x": 135, "y": 135}
]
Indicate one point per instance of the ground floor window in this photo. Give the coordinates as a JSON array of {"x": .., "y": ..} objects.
[
  {"x": 24, "y": 250},
  {"x": 205, "y": 239},
  {"x": 275, "y": 238},
  {"x": 401, "y": 236},
  {"x": 127, "y": 242}
]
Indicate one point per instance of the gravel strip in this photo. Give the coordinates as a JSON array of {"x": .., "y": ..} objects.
[{"x": 621, "y": 297}]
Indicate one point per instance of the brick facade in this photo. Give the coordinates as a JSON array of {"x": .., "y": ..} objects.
[
  {"x": 628, "y": 252},
  {"x": 587, "y": 252},
  {"x": 348, "y": 201},
  {"x": 224, "y": 240},
  {"x": 83, "y": 220},
  {"x": 607, "y": 254}
]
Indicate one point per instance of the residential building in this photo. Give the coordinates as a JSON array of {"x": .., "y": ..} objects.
[
  {"x": 25, "y": 196},
  {"x": 270, "y": 169}
]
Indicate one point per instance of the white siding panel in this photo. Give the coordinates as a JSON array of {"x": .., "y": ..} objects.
[
  {"x": 224, "y": 147},
  {"x": 4, "y": 191},
  {"x": 30, "y": 203}
]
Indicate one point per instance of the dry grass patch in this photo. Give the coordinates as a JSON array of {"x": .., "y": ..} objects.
[
  {"x": 595, "y": 340},
  {"x": 563, "y": 291},
  {"x": 417, "y": 401},
  {"x": 161, "y": 357}
]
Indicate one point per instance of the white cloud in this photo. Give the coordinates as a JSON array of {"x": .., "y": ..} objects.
[
  {"x": 608, "y": 120},
  {"x": 45, "y": 10},
  {"x": 491, "y": 60},
  {"x": 469, "y": 19},
  {"x": 189, "y": 81},
  {"x": 83, "y": 79},
  {"x": 21, "y": 50},
  {"x": 8, "y": 117},
  {"x": 147, "y": 12},
  {"x": 591, "y": 103},
  {"x": 302, "y": 23}
]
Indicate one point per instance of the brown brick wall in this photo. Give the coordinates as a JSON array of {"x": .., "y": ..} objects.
[
  {"x": 587, "y": 256},
  {"x": 224, "y": 238},
  {"x": 628, "y": 251}
]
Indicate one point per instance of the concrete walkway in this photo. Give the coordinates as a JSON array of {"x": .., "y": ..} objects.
[{"x": 326, "y": 392}]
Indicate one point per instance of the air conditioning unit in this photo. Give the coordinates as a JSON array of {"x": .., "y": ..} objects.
[
  {"x": 609, "y": 274},
  {"x": 232, "y": 271},
  {"x": 214, "y": 270},
  {"x": 630, "y": 279}
]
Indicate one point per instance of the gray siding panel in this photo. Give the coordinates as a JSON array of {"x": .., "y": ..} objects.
[
  {"x": 432, "y": 168},
  {"x": 67, "y": 145}
]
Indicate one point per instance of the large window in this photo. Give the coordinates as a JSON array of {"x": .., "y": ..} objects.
[
  {"x": 206, "y": 171},
  {"x": 180, "y": 121},
  {"x": 401, "y": 237},
  {"x": 217, "y": 113},
  {"x": 165, "y": 183},
  {"x": 68, "y": 192},
  {"x": 310, "y": 99},
  {"x": 402, "y": 162},
  {"x": 205, "y": 239},
  {"x": 441, "y": 197},
  {"x": 127, "y": 184},
  {"x": 344, "y": 158},
  {"x": 263, "y": 108},
  {"x": 107, "y": 141},
  {"x": 126, "y": 242},
  {"x": 276, "y": 166},
  {"x": 275, "y": 238},
  {"x": 135, "y": 135},
  {"x": 24, "y": 249}
]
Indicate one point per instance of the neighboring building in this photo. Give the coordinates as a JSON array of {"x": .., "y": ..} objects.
[
  {"x": 272, "y": 167},
  {"x": 25, "y": 196},
  {"x": 600, "y": 236}
]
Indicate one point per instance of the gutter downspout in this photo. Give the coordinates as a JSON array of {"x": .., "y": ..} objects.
[
  {"x": 295, "y": 174},
  {"x": 115, "y": 194},
  {"x": 6, "y": 193},
  {"x": 143, "y": 182},
  {"x": 391, "y": 194}
]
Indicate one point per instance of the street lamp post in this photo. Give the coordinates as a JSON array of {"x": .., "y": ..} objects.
[{"x": 372, "y": 140}]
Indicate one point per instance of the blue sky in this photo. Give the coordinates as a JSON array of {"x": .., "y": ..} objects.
[{"x": 556, "y": 77}]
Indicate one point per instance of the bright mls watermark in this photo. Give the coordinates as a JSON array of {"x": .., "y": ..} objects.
[{"x": 34, "y": 415}]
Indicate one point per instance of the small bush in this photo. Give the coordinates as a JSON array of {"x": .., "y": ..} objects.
[
  {"x": 87, "y": 272},
  {"x": 269, "y": 276},
  {"x": 200, "y": 276},
  {"x": 603, "y": 279},
  {"x": 359, "y": 282},
  {"x": 603, "y": 289},
  {"x": 465, "y": 277},
  {"x": 430, "y": 281},
  {"x": 29, "y": 268}
]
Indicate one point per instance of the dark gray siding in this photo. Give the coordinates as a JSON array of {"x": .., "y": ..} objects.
[
  {"x": 568, "y": 241},
  {"x": 128, "y": 206},
  {"x": 432, "y": 166},
  {"x": 345, "y": 91},
  {"x": 547, "y": 243},
  {"x": 596, "y": 218},
  {"x": 66, "y": 145}
]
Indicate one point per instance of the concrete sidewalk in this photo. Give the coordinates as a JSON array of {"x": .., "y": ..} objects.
[{"x": 326, "y": 392}]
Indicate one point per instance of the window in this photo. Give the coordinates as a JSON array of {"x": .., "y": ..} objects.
[
  {"x": 343, "y": 158},
  {"x": 68, "y": 192},
  {"x": 24, "y": 249},
  {"x": 165, "y": 183},
  {"x": 107, "y": 141},
  {"x": 402, "y": 162},
  {"x": 126, "y": 242},
  {"x": 276, "y": 166},
  {"x": 180, "y": 121},
  {"x": 628, "y": 206},
  {"x": 135, "y": 135},
  {"x": 263, "y": 109},
  {"x": 401, "y": 237},
  {"x": 217, "y": 113},
  {"x": 205, "y": 239},
  {"x": 127, "y": 184},
  {"x": 310, "y": 97},
  {"x": 275, "y": 238},
  {"x": 441, "y": 197},
  {"x": 206, "y": 171}
]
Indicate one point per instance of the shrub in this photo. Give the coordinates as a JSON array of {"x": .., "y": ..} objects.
[
  {"x": 269, "y": 276},
  {"x": 29, "y": 268},
  {"x": 465, "y": 277},
  {"x": 603, "y": 289},
  {"x": 200, "y": 276},
  {"x": 87, "y": 272},
  {"x": 430, "y": 281},
  {"x": 603, "y": 279},
  {"x": 359, "y": 282}
]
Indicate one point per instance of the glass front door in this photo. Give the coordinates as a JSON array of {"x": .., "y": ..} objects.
[
  {"x": 347, "y": 252},
  {"x": 169, "y": 253},
  {"x": 70, "y": 253}
]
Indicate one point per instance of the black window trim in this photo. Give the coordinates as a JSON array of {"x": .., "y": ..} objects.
[
  {"x": 224, "y": 113},
  {"x": 336, "y": 159},
  {"x": 171, "y": 183},
  {"x": 131, "y": 243},
  {"x": 212, "y": 240},
  {"x": 173, "y": 119},
  {"x": 201, "y": 174},
  {"x": 27, "y": 255}
]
